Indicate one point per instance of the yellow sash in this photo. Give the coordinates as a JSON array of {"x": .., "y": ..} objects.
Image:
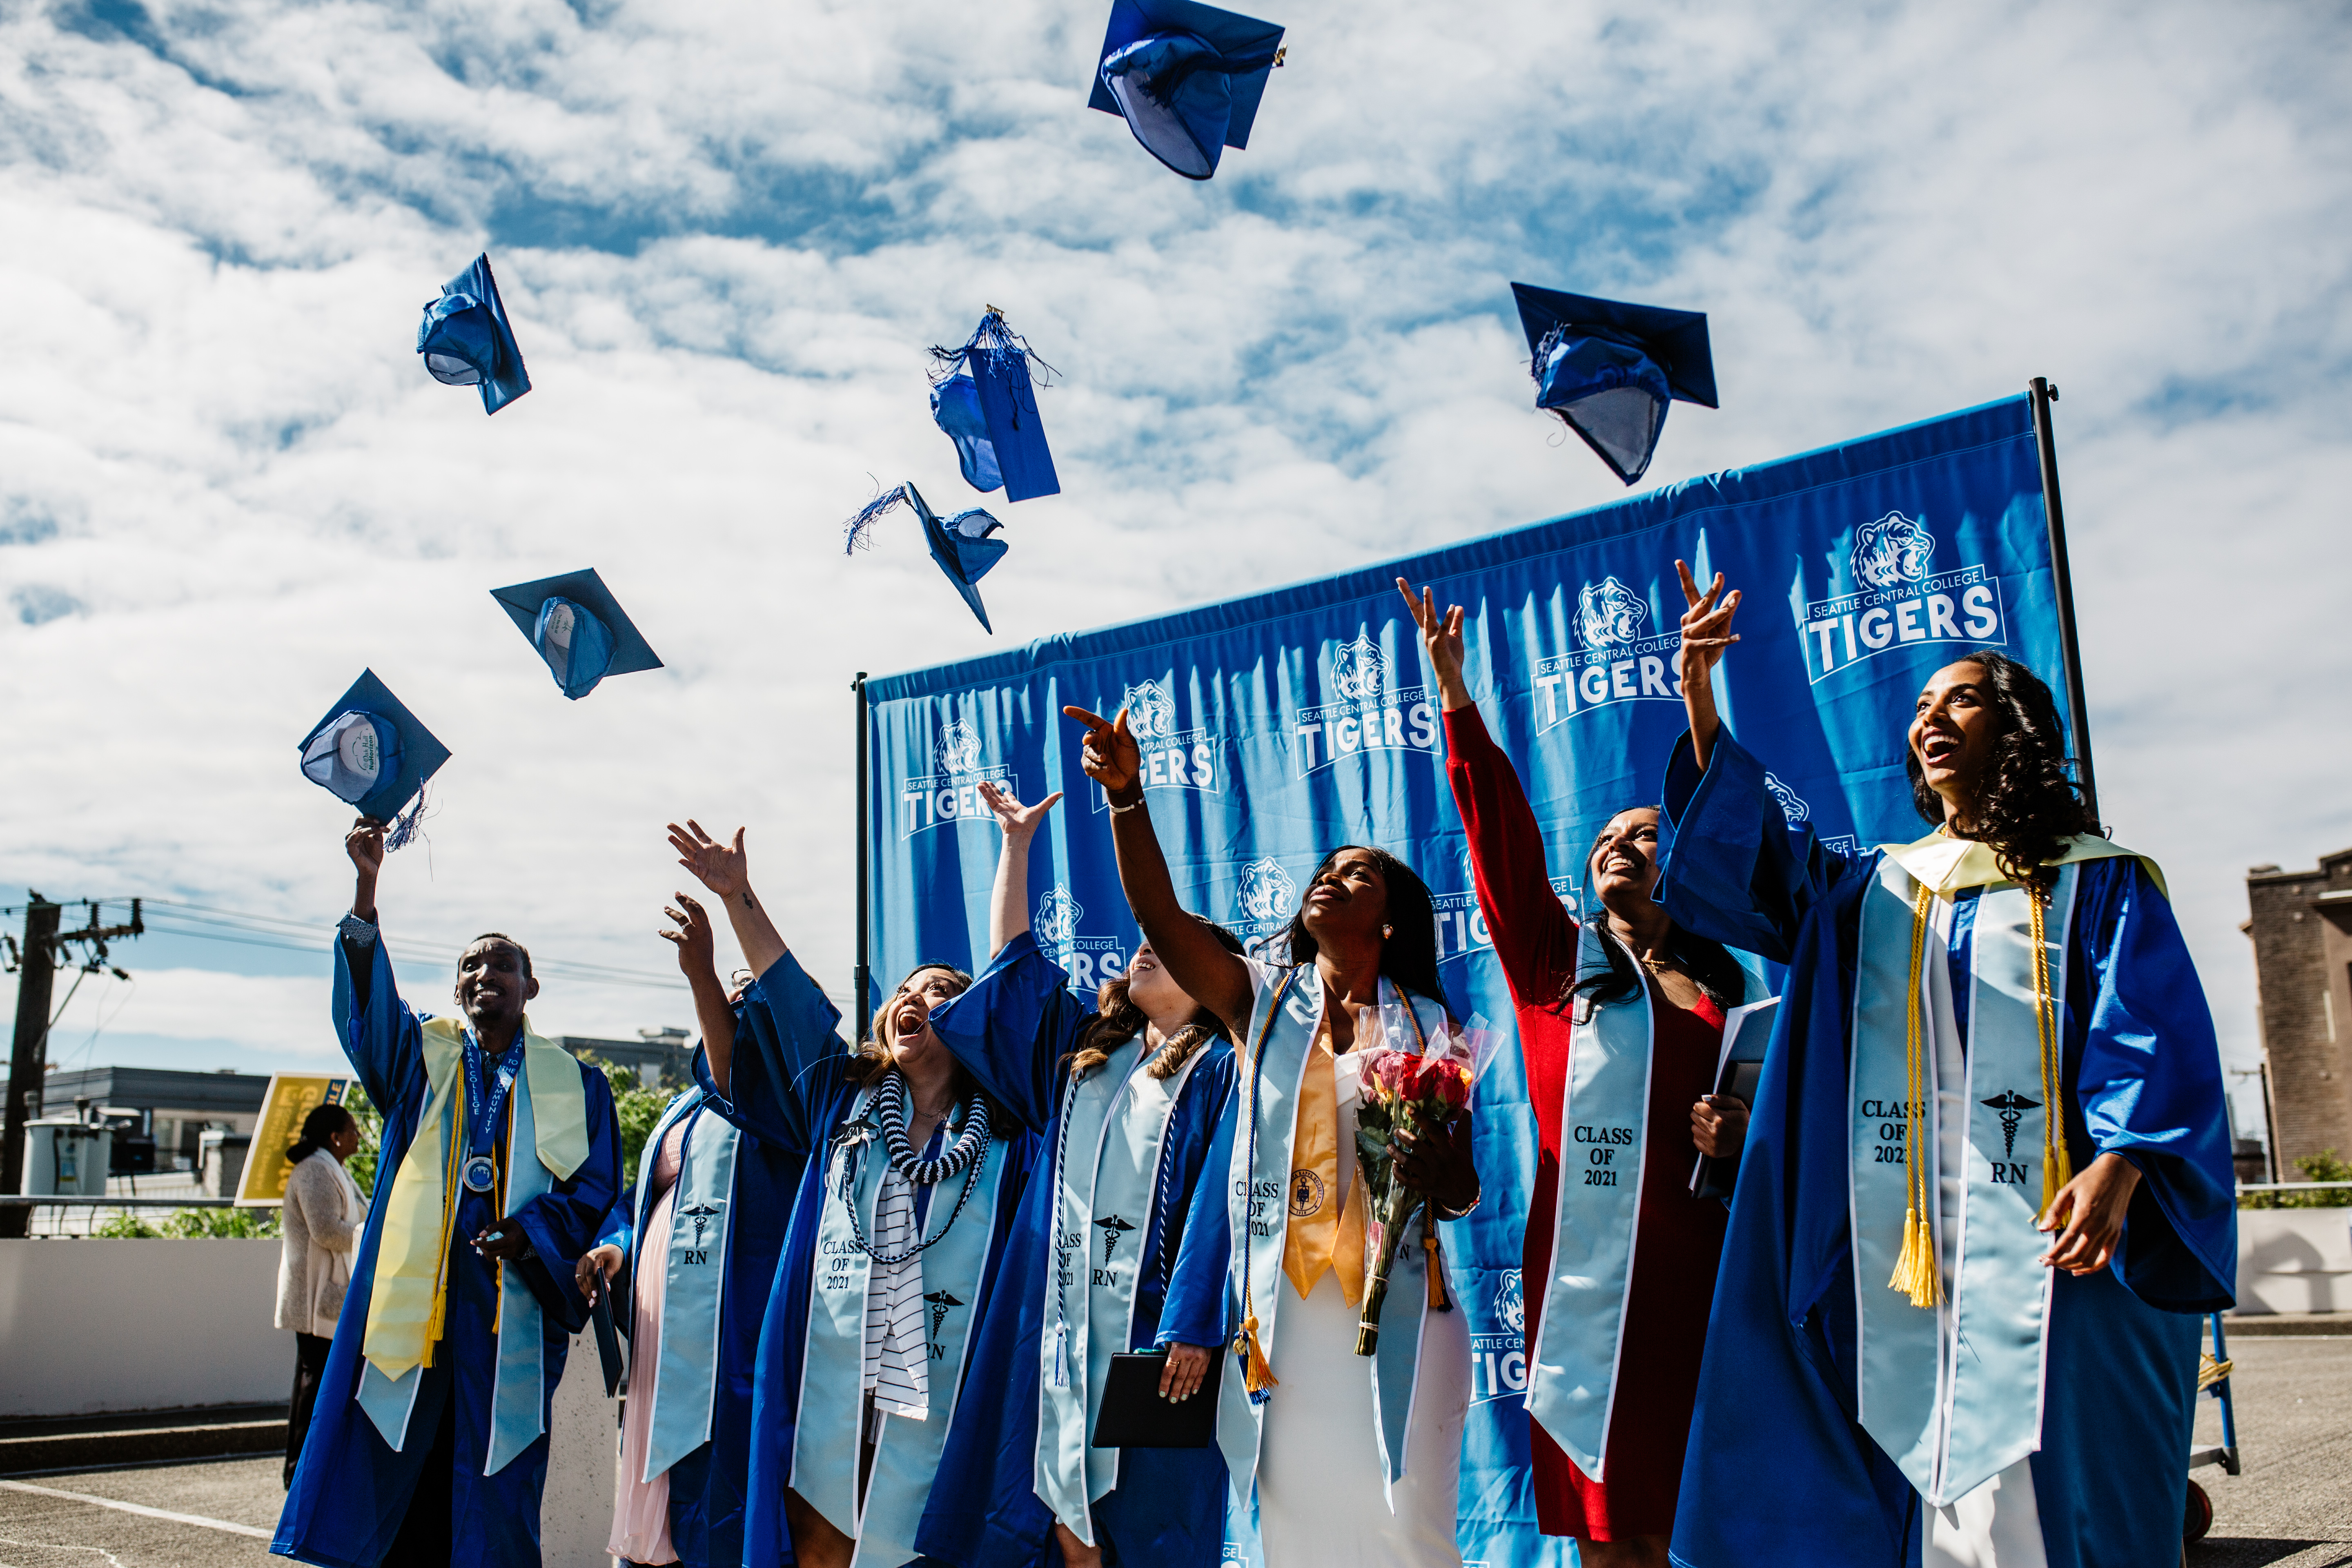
[
  {"x": 1322, "y": 1235},
  {"x": 410, "y": 1294}
]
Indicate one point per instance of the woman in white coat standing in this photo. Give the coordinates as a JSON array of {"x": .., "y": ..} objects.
[{"x": 321, "y": 1225}]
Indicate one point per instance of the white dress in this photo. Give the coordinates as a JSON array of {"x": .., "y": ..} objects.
[{"x": 1320, "y": 1500}]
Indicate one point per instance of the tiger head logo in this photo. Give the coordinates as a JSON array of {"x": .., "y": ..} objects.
[
  {"x": 1358, "y": 670},
  {"x": 1511, "y": 1302},
  {"x": 1150, "y": 710},
  {"x": 1891, "y": 552},
  {"x": 1792, "y": 805},
  {"x": 1609, "y": 614},
  {"x": 959, "y": 747},
  {"x": 1267, "y": 892},
  {"x": 1057, "y": 918}
]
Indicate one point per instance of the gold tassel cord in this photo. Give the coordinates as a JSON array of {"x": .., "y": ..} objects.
[
  {"x": 1258, "y": 1377},
  {"x": 2057, "y": 1166},
  {"x": 1437, "y": 1302},
  {"x": 1917, "y": 1271},
  {"x": 452, "y": 1175}
]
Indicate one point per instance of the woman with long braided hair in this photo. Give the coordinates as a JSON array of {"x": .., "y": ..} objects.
[
  {"x": 1987, "y": 1191},
  {"x": 912, "y": 1178},
  {"x": 1130, "y": 1093}
]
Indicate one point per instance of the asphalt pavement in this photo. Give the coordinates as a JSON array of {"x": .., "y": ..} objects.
[{"x": 2290, "y": 1508}]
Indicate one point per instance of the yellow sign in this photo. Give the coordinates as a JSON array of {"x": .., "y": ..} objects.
[{"x": 290, "y": 1099}]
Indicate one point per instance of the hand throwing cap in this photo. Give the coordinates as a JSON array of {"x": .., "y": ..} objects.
[
  {"x": 1610, "y": 369},
  {"x": 959, "y": 545},
  {"x": 579, "y": 628},
  {"x": 466, "y": 341},
  {"x": 983, "y": 399},
  {"x": 373, "y": 752},
  {"x": 1186, "y": 78}
]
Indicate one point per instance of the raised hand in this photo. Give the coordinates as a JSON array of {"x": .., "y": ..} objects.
[
  {"x": 1017, "y": 820},
  {"x": 1706, "y": 623},
  {"x": 365, "y": 844},
  {"x": 1707, "y": 631},
  {"x": 1441, "y": 635},
  {"x": 698, "y": 948},
  {"x": 1110, "y": 757},
  {"x": 723, "y": 869}
]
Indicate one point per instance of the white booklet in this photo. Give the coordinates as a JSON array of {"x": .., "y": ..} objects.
[{"x": 1737, "y": 1070}]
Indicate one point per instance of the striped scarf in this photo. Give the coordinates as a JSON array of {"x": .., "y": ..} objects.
[{"x": 897, "y": 1352}]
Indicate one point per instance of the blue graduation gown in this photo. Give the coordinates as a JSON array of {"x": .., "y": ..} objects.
[
  {"x": 789, "y": 1088},
  {"x": 706, "y": 1486},
  {"x": 1776, "y": 1469},
  {"x": 350, "y": 1490},
  {"x": 1015, "y": 1029}
]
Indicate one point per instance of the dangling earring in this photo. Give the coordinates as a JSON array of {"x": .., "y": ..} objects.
[{"x": 1387, "y": 932}]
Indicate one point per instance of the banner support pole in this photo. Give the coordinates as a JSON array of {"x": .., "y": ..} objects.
[
  {"x": 861, "y": 981},
  {"x": 2062, "y": 578}
]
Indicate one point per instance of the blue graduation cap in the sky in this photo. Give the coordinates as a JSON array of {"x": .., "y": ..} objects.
[
  {"x": 466, "y": 340},
  {"x": 373, "y": 753},
  {"x": 1608, "y": 369},
  {"x": 959, "y": 545},
  {"x": 579, "y": 628},
  {"x": 982, "y": 397},
  {"x": 1187, "y": 78}
]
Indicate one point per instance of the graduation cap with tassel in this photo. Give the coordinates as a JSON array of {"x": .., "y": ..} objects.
[
  {"x": 959, "y": 545},
  {"x": 1610, "y": 369},
  {"x": 371, "y": 752},
  {"x": 984, "y": 398}
]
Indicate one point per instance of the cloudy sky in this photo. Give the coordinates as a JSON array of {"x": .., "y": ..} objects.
[{"x": 727, "y": 231}]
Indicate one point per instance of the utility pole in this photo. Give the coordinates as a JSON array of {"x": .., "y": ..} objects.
[{"x": 36, "y": 969}]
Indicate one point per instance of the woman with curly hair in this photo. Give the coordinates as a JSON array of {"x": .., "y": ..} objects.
[
  {"x": 1354, "y": 1459},
  {"x": 1987, "y": 1191},
  {"x": 1620, "y": 1256},
  {"x": 1129, "y": 1092}
]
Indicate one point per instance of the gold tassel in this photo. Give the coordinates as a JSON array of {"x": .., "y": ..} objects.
[
  {"x": 2057, "y": 1165},
  {"x": 1918, "y": 1273},
  {"x": 1256, "y": 1375},
  {"x": 1437, "y": 1301}
]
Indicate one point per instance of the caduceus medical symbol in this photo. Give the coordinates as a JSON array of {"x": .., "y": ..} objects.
[
  {"x": 2013, "y": 1107},
  {"x": 940, "y": 1302},
  {"x": 1113, "y": 1228},
  {"x": 701, "y": 1215}
]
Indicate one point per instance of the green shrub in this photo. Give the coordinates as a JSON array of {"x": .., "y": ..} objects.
[
  {"x": 2323, "y": 1167},
  {"x": 192, "y": 1225}
]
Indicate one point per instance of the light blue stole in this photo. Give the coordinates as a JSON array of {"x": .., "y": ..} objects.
[
  {"x": 1107, "y": 1167},
  {"x": 518, "y": 1386},
  {"x": 1953, "y": 1394},
  {"x": 694, "y": 1280},
  {"x": 1288, "y": 1007},
  {"x": 825, "y": 1443},
  {"x": 1603, "y": 1147}
]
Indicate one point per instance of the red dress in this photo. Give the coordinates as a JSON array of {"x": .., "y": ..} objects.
[{"x": 1678, "y": 1241}]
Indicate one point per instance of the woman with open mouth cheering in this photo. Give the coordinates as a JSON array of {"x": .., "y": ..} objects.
[
  {"x": 904, "y": 1207},
  {"x": 1987, "y": 1190},
  {"x": 1120, "y": 1247},
  {"x": 1620, "y": 1022},
  {"x": 1356, "y": 1460}
]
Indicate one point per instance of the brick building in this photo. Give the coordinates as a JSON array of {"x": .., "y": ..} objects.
[{"x": 2302, "y": 929}]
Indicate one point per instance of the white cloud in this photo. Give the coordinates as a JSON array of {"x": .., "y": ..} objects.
[{"x": 728, "y": 231}]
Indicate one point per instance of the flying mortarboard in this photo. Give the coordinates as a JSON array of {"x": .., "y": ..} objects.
[
  {"x": 1608, "y": 369},
  {"x": 373, "y": 753},
  {"x": 579, "y": 628},
  {"x": 961, "y": 544},
  {"x": 982, "y": 398},
  {"x": 1186, "y": 78},
  {"x": 466, "y": 340}
]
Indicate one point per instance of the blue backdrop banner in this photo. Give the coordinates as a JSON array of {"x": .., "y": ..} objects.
[{"x": 1278, "y": 727}]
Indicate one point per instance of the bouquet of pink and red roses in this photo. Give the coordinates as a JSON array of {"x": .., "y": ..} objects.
[{"x": 1416, "y": 1095}]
